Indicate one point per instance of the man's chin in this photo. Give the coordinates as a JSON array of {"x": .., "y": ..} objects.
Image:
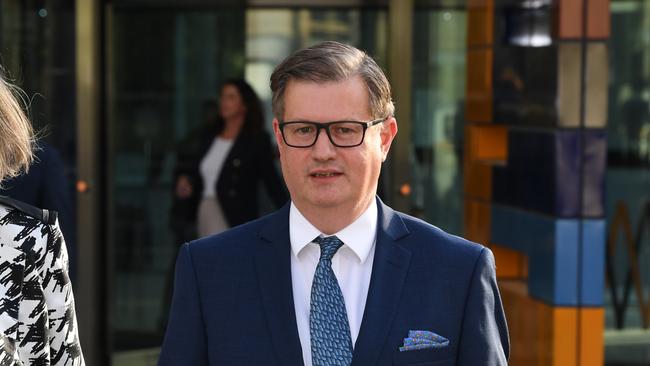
[{"x": 327, "y": 201}]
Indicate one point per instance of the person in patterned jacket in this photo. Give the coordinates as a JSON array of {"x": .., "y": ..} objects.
[{"x": 38, "y": 325}]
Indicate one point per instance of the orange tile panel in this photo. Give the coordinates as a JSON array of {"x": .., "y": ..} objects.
[
  {"x": 478, "y": 105},
  {"x": 598, "y": 19},
  {"x": 569, "y": 19},
  {"x": 480, "y": 23},
  {"x": 477, "y": 180},
  {"x": 565, "y": 336},
  {"x": 471, "y": 4},
  {"x": 477, "y": 220},
  {"x": 509, "y": 262},
  {"x": 488, "y": 143},
  {"x": 592, "y": 329}
]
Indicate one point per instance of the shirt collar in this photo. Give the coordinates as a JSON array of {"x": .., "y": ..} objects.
[{"x": 359, "y": 236}]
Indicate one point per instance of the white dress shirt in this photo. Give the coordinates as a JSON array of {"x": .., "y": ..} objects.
[{"x": 352, "y": 266}]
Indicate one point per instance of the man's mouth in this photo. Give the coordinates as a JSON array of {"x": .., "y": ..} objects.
[{"x": 329, "y": 174}]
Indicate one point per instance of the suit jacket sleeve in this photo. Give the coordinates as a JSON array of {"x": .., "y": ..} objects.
[
  {"x": 185, "y": 339},
  {"x": 484, "y": 339}
]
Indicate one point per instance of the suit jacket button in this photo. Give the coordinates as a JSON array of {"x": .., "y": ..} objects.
[
  {"x": 236, "y": 162},
  {"x": 232, "y": 193}
]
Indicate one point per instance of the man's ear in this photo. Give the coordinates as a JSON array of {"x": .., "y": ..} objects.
[{"x": 388, "y": 132}]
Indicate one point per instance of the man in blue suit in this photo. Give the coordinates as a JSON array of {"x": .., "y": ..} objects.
[{"x": 335, "y": 277}]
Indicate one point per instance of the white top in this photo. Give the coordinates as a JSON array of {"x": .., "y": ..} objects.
[
  {"x": 212, "y": 163},
  {"x": 352, "y": 266}
]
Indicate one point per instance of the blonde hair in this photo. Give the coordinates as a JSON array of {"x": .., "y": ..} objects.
[
  {"x": 333, "y": 61},
  {"x": 16, "y": 133}
]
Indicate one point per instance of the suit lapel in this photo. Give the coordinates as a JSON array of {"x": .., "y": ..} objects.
[
  {"x": 273, "y": 264},
  {"x": 389, "y": 271}
]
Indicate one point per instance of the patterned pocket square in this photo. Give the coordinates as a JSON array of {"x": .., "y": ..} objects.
[{"x": 423, "y": 339}]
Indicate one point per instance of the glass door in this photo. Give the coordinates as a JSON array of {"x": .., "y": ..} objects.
[
  {"x": 439, "y": 48},
  {"x": 165, "y": 66}
]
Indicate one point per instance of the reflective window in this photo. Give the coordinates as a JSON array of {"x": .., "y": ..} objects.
[
  {"x": 44, "y": 67},
  {"x": 272, "y": 34},
  {"x": 164, "y": 64},
  {"x": 439, "y": 40},
  {"x": 628, "y": 185}
]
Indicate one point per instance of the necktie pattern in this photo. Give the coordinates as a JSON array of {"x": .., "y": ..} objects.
[{"x": 331, "y": 344}]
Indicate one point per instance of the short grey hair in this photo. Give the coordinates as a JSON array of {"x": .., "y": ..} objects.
[
  {"x": 16, "y": 133},
  {"x": 333, "y": 61}
]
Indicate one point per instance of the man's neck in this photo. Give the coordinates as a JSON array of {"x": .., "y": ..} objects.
[{"x": 330, "y": 220}]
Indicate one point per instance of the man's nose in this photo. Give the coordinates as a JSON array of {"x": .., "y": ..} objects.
[{"x": 323, "y": 148}]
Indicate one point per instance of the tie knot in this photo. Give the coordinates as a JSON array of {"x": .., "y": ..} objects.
[{"x": 328, "y": 246}]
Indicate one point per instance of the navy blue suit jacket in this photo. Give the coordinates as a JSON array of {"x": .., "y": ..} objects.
[{"x": 233, "y": 302}]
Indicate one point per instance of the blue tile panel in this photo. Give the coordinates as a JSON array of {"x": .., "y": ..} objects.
[
  {"x": 593, "y": 262},
  {"x": 543, "y": 169},
  {"x": 595, "y": 160},
  {"x": 552, "y": 247}
]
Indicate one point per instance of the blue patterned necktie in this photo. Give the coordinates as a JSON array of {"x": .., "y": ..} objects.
[{"x": 331, "y": 344}]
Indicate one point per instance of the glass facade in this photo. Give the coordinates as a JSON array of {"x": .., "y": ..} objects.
[
  {"x": 37, "y": 52},
  {"x": 628, "y": 185},
  {"x": 163, "y": 65},
  {"x": 439, "y": 38},
  {"x": 273, "y": 33}
]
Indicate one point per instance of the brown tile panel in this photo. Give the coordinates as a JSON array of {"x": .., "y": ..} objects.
[
  {"x": 598, "y": 23},
  {"x": 569, "y": 14},
  {"x": 539, "y": 334}
]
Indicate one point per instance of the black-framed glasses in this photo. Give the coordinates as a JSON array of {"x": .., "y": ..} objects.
[{"x": 340, "y": 133}]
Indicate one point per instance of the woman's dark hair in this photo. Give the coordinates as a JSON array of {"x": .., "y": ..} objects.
[{"x": 254, "y": 119}]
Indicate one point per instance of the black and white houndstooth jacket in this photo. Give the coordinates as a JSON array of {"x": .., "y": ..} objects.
[{"x": 38, "y": 325}]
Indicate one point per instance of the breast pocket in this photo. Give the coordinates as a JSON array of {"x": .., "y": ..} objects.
[{"x": 425, "y": 357}]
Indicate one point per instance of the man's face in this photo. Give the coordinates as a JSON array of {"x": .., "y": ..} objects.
[{"x": 323, "y": 175}]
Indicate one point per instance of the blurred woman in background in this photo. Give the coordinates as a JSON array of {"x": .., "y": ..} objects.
[
  {"x": 220, "y": 178},
  {"x": 37, "y": 316}
]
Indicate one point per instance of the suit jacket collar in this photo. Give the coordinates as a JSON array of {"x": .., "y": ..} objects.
[
  {"x": 273, "y": 264},
  {"x": 389, "y": 272}
]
